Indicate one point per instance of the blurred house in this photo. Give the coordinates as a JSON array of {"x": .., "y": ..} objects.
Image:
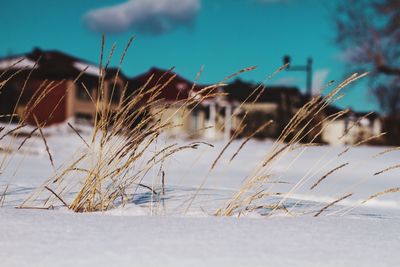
[
  {"x": 219, "y": 116},
  {"x": 351, "y": 128},
  {"x": 277, "y": 103},
  {"x": 391, "y": 126},
  {"x": 193, "y": 110},
  {"x": 45, "y": 85},
  {"x": 51, "y": 86}
]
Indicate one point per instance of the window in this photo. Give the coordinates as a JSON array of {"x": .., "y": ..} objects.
[{"x": 82, "y": 93}]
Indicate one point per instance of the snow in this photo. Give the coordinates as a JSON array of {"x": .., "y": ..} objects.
[
  {"x": 43, "y": 238},
  {"x": 17, "y": 62},
  {"x": 163, "y": 232},
  {"x": 89, "y": 69}
]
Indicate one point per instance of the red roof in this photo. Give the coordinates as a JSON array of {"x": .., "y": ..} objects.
[{"x": 178, "y": 88}]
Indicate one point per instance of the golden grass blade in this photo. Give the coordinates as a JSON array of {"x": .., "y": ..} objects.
[
  {"x": 392, "y": 149},
  {"x": 27, "y": 138},
  {"x": 45, "y": 142},
  {"x": 77, "y": 132},
  {"x": 327, "y": 174},
  {"x": 12, "y": 131},
  {"x": 261, "y": 128},
  {"x": 332, "y": 203},
  {"x": 387, "y": 191},
  {"x": 56, "y": 195},
  {"x": 387, "y": 169}
]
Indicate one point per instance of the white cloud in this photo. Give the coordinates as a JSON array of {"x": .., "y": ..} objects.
[
  {"x": 145, "y": 16},
  {"x": 17, "y": 62}
]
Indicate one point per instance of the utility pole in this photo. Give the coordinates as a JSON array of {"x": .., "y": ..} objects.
[{"x": 307, "y": 68}]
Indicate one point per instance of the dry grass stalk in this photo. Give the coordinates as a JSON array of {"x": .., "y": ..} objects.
[
  {"x": 8, "y": 69},
  {"x": 44, "y": 141},
  {"x": 361, "y": 142},
  {"x": 297, "y": 128},
  {"x": 387, "y": 191},
  {"x": 116, "y": 160},
  {"x": 257, "y": 91},
  {"x": 327, "y": 174},
  {"x": 3, "y": 196},
  {"x": 392, "y": 149},
  {"x": 369, "y": 139},
  {"x": 57, "y": 196},
  {"x": 163, "y": 182},
  {"x": 332, "y": 203},
  {"x": 247, "y": 139},
  {"x": 387, "y": 169},
  {"x": 13, "y": 130},
  {"x": 354, "y": 124},
  {"x": 239, "y": 72},
  {"x": 77, "y": 133},
  {"x": 233, "y": 137},
  {"x": 27, "y": 138}
]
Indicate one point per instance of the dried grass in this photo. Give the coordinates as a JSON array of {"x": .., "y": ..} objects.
[
  {"x": 327, "y": 174},
  {"x": 116, "y": 159},
  {"x": 387, "y": 169},
  {"x": 379, "y": 194},
  {"x": 290, "y": 138},
  {"x": 332, "y": 203}
]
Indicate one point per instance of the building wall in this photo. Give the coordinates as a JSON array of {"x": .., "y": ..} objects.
[
  {"x": 377, "y": 127},
  {"x": 180, "y": 118},
  {"x": 59, "y": 102},
  {"x": 88, "y": 108},
  {"x": 258, "y": 114},
  {"x": 334, "y": 131},
  {"x": 48, "y": 105},
  {"x": 70, "y": 95},
  {"x": 191, "y": 123},
  {"x": 8, "y": 98}
]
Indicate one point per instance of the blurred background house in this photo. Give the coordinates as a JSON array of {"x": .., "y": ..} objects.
[
  {"x": 53, "y": 87},
  {"x": 261, "y": 104},
  {"x": 351, "y": 128},
  {"x": 195, "y": 120}
]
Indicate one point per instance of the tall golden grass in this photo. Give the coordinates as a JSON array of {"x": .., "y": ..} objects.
[
  {"x": 258, "y": 185},
  {"x": 114, "y": 161}
]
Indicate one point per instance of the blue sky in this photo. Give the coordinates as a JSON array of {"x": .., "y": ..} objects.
[{"x": 221, "y": 35}]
